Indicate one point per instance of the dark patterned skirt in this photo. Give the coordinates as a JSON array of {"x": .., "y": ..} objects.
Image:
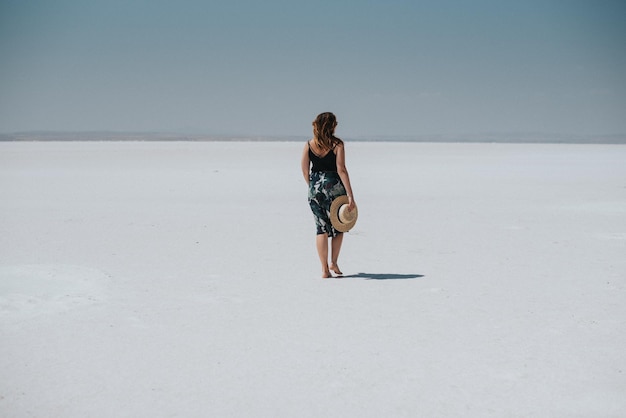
[{"x": 324, "y": 187}]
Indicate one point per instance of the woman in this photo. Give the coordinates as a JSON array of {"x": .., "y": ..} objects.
[{"x": 324, "y": 170}]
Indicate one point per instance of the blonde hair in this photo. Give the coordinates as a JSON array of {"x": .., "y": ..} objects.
[{"x": 324, "y": 131}]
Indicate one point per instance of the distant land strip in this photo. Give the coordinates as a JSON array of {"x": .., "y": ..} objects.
[{"x": 528, "y": 138}]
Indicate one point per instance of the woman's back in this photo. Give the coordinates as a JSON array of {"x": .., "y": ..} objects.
[{"x": 322, "y": 160}]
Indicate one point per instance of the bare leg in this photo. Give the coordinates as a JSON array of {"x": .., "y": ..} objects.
[
  {"x": 322, "y": 250},
  {"x": 335, "y": 249}
]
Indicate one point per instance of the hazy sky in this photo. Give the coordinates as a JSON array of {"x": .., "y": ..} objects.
[{"x": 386, "y": 67}]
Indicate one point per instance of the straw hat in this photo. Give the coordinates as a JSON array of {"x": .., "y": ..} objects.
[{"x": 342, "y": 219}]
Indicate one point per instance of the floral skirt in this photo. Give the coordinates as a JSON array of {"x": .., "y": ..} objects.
[{"x": 324, "y": 187}]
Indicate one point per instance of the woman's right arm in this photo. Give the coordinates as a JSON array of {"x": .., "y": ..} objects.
[
  {"x": 305, "y": 163},
  {"x": 343, "y": 174}
]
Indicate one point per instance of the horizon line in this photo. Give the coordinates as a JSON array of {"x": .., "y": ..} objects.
[{"x": 162, "y": 136}]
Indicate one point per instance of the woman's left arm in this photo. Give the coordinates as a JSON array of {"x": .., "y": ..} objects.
[{"x": 305, "y": 163}]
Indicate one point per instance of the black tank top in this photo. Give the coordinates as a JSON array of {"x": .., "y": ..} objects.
[{"x": 326, "y": 163}]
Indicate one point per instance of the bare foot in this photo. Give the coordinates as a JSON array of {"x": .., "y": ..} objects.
[
  {"x": 335, "y": 268},
  {"x": 326, "y": 275}
]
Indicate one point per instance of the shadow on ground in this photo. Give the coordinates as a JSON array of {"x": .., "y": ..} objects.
[{"x": 384, "y": 276}]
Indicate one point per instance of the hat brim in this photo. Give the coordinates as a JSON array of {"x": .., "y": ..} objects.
[{"x": 334, "y": 214}]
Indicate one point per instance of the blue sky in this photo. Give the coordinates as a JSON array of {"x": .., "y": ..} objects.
[{"x": 388, "y": 67}]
